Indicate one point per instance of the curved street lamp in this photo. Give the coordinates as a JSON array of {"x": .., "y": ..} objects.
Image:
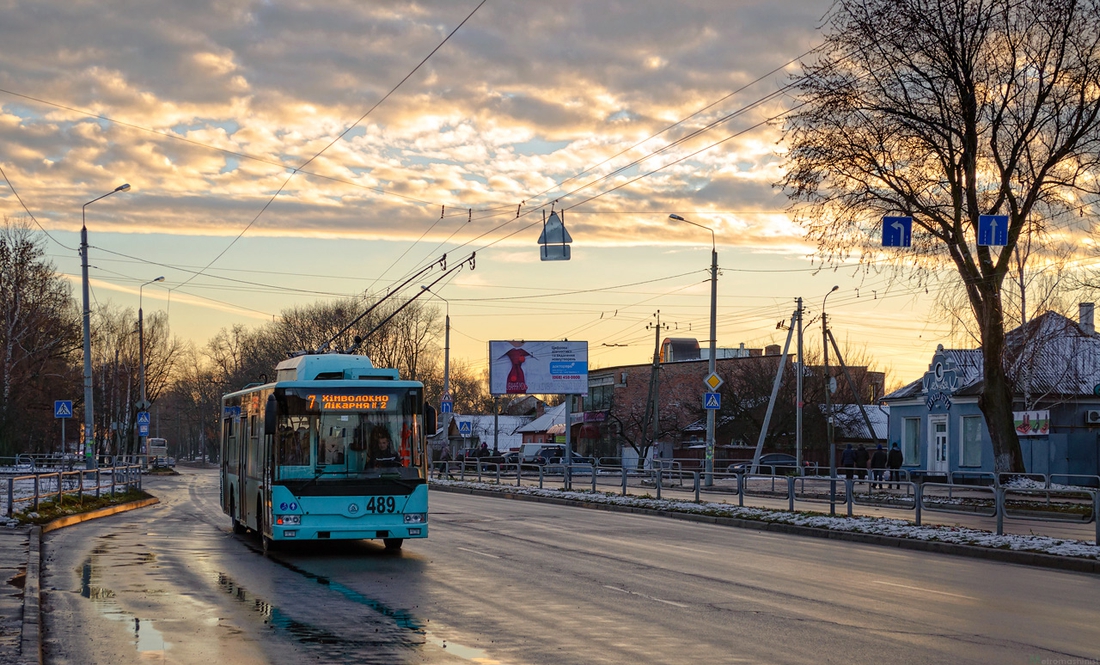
[
  {"x": 89, "y": 419},
  {"x": 144, "y": 406},
  {"x": 709, "y": 464},
  {"x": 446, "y": 360}
]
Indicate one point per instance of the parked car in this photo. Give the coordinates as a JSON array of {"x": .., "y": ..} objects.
[
  {"x": 510, "y": 460},
  {"x": 772, "y": 463},
  {"x": 546, "y": 453},
  {"x": 575, "y": 457},
  {"x": 556, "y": 455}
]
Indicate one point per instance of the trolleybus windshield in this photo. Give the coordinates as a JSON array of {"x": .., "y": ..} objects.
[{"x": 344, "y": 433}]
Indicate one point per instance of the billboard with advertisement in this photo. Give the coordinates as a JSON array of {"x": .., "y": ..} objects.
[{"x": 538, "y": 368}]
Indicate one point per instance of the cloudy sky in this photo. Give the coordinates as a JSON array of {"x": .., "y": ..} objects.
[{"x": 281, "y": 152}]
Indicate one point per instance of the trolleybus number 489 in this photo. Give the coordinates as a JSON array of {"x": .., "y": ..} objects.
[{"x": 381, "y": 504}]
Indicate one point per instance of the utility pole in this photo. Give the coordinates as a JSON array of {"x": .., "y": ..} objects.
[
  {"x": 798, "y": 399},
  {"x": 653, "y": 381},
  {"x": 828, "y": 405}
]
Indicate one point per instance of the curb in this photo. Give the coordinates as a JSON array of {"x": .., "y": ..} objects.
[
  {"x": 31, "y": 639},
  {"x": 1037, "y": 559},
  {"x": 70, "y": 520}
]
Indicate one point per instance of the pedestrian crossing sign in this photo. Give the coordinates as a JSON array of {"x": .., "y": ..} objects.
[
  {"x": 712, "y": 400},
  {"x": 63, "y": 408},
  {"x": 143, "y": 418}
]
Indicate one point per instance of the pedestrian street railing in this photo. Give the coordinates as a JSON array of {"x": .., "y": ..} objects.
[
  {"x": 974, "y": 494},
  {"x": 37, "y": 487}
]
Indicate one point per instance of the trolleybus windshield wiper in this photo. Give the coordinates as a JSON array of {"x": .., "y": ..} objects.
[{"x": 318, "y": 474}]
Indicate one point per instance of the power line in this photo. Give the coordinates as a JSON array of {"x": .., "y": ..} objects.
[
  {"x": 333, "y": 142},
  {"x": 31, "y": 214}
]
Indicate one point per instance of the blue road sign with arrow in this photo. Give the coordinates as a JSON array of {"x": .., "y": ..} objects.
[
  {"x": 993, "y": 230},
  {"x": 63, "y": 408},
  {"x": 712, "y": 400},
  {"x": 897, "y": 231}
]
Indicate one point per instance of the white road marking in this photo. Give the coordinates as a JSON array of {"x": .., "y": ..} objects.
[
  {"x": 642, "y": 595},
  {"x": 917, "y": 588},
  {"x": 491, "y": 556}
]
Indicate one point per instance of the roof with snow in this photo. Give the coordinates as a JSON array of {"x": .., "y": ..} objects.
[
  {"x": 553, "y": 415},
  {"x": 483, "y": 427},
  {"x": 851, "y": 425},
  {"x": 1050, "y": 354}
]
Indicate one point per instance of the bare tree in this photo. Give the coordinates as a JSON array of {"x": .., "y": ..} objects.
[
  {"x": 947, "y": 110},
  {"x": 470, "y": 389},
  {"x": 39, "y": 341}
]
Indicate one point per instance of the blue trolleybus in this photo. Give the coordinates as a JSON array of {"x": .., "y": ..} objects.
[{"x": 333, "y": 449}]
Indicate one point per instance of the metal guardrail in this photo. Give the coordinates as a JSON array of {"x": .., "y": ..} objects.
[
  {"x": 53, "y": 462},
  {"x": 1057, "y": 504},
  {"x": 57, "y": 484}
]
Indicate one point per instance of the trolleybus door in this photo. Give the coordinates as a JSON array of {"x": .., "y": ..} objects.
[{"x": 267, "y": 443}]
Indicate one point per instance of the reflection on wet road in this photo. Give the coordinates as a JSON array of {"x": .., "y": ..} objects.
[
  {"x": 172, "y": 584},
  {"x": 149, "y": 639},
  {"x": 515, "y": 582}
]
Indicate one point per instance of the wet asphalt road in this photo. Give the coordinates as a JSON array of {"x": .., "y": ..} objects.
[{"x": 516, "y": 582}]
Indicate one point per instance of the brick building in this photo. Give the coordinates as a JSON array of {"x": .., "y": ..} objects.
[{"x": 618, "y": 406}]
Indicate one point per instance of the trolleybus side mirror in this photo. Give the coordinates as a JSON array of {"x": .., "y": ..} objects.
[
  {"x": 271, "y": 416},
  {"x": 430, "y": 420}
]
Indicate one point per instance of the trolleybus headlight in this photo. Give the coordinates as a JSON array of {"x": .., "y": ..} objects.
[
  {"x": 288, "y": 520},
  {"x": 416, "y": 518}
]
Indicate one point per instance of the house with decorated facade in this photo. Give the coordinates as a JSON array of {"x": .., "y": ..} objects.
[{"x": 1053, "y": 363}]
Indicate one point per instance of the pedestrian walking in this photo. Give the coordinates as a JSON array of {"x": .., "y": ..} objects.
[
  {"x": 444, "y": 461},
  {"x": 862, "y": 456},
  {"x": 848, "y": 461},
  {"x": 878, "y": 466},
  {"x": 894, "y": 460}
]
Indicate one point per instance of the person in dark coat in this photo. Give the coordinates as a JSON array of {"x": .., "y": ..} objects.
[
  {"x": 861, "y": 461},
  {"x": 444, "y": 461},
  {"x": 382, "y": 453},
  {"x": 848, "y": 461},
  {"x": 878, "y": 466},
  {"x": 894, "y": 460}
]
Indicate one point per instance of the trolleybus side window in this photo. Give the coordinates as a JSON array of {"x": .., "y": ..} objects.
[
  {"x": 230, "y": 435},
  {"x": 255, "y": 451}
]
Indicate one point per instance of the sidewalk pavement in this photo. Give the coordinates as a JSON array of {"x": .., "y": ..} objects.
[
  {"x": 20, "y": 590},
  {"x": 19, "y": 611}
]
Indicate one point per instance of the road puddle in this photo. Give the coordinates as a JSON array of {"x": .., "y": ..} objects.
[
  {"x": 146, "y": 637},
  {"x": 412, "y": 636},
  {"x": 400, "y": 617},
  {"x": 471, "y": 654}
]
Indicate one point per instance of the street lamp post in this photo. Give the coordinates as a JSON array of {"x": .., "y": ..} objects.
[
  {"x": 828, "y": 405},
  {"x": 709, "y": 464},
  {"x": 144, "y": 406},
  {"x": 446, "y": 360},
  {"x": 89, "y": 416}
]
